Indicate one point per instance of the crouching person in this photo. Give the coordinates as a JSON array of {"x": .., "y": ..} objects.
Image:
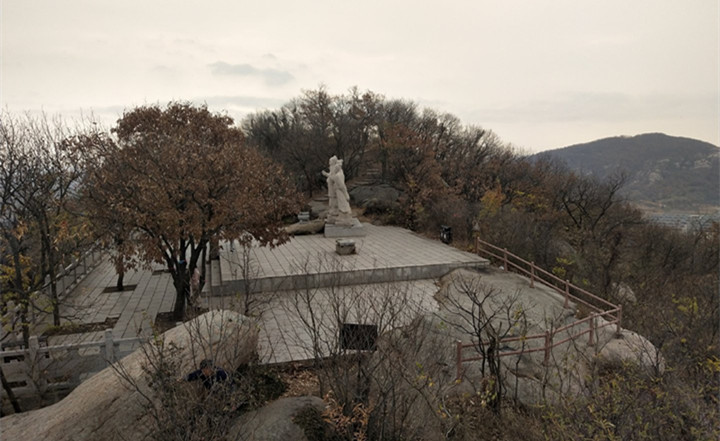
[{"x": 209, "y": 374}]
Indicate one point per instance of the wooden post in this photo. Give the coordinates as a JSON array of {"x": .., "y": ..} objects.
[
  {"x": 548, "y": 348},
  {"x": 458, "y": 359},
  {"x": 591, "y": 341},
  {"x": 567, "y": 294},
  {"x": 505, "y": 259},
  {"x": 618, "y": 330},
  {"x": 532, "y": 274},
  {"x": 109, "y": 347}
]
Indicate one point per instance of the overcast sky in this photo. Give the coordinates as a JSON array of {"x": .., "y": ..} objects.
[{"x": 541, "y": 74}]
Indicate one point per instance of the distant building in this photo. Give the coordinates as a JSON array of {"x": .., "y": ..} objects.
[{"x": 683, "y": 221}]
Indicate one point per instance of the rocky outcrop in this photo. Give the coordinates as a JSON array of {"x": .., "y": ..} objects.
[
  {"x": 107, "y": 407},
  {"x": 314, "y": 226},
  {"x": 527, "y": 376},
  {"x": 375, "y": 198},
  {"x": 274, "y": 422}
]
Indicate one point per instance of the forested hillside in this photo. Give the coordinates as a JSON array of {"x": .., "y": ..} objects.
[{"x": 662, "y": 172}]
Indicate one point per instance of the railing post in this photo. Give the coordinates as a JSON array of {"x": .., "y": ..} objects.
[
  {"x": 567, "y": 293},
  {"x": 109, "y": 347},
  {"x": 532, "y": 274},
  {"x": 548, "y": 348},
  {"x": 505, "y": 259},
  {"x": 458, "y": 359},
  {"x": 618, "y": 330},
  {"x": 85, "y": 263},
  {"x": 33, "y": 365},
  {"x": 477, "y": 245},
  {"x": 591, "y": 341}
]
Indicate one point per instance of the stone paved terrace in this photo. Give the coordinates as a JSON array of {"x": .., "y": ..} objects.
[
  {"x": 147, "y": 294},
  {"x": 385, "y": 254},
  {"x": 391, "y": 265}
]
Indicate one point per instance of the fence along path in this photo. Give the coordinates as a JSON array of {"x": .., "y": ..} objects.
[
  {"x": 545, "y": 342},
  {"x": 45, "y": 370},
  {"x": 56, "y": 364}
]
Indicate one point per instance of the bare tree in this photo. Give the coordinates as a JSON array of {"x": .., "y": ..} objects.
[
  {"x": 487, "y": 316},
  {"x": 379, "y": 355},
  {"x": 40, "y": 228},
  {"x": 178, "y": 409}
]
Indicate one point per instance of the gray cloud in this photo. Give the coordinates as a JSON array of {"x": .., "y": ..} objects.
[
  {"x": 272, "y": 77},
  {"x": 253, "y": 102}
]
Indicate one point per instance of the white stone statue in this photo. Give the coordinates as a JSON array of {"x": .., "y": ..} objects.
[
  {"x": 339, "y": 212},
  {"x": 332, "y": 197}
]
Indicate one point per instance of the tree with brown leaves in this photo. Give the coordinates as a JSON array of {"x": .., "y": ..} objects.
[{"x": 180, "y": 177}]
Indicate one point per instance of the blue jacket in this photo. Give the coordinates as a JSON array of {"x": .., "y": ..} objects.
[{"x": 218, "y": 376}]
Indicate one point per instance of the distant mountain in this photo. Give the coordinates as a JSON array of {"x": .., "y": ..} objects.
[{"x": 664, "y": 173}]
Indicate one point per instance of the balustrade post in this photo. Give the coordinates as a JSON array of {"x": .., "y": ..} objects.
[
  {"x": 109, "y": 347},
  {"x": 567, "y": 293},
  {"x": 591, "y": 341},
  {"x": 37, "y": 380},
  {"x": 458, "y": 359},
  {"x": 532, "y": 274},
  {"x": 548, "y": 348},
  {"x": 505, "y": 259}
]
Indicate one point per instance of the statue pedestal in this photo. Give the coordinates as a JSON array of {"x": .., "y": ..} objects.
[{"x": 356, "y": 229}]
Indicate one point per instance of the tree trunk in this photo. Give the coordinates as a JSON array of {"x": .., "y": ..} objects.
[
  {"x": 203, "y": 267},
  {"x": 181, "y": 281},
  {"x": 20, "y": 291},
  {"x": 119, "y": 266},
  {"x": 119, "y": 285},
  {"x": 496, "y": 387},
  {"x": 55, "y": 300},
  {"x": 8, "y": 390},
  {"x": 54, "y": 297}
]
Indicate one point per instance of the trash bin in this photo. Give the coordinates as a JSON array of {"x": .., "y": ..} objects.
[{"x": 445, "y": 234}]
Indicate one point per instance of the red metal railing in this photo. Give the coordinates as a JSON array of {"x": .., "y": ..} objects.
[{"x": 599, "y": 307}]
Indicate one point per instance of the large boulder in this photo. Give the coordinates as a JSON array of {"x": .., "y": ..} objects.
[
  {"x": 275, "y": 422},
  {"x": 314, "y": 226},
  {"x": 114, "y": 403},
  {"x": 530, "y": 377},
  {"x": 375, "y": 198}
]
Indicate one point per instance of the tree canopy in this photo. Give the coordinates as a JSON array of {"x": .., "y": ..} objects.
[{"x": 176, "y": 178}]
